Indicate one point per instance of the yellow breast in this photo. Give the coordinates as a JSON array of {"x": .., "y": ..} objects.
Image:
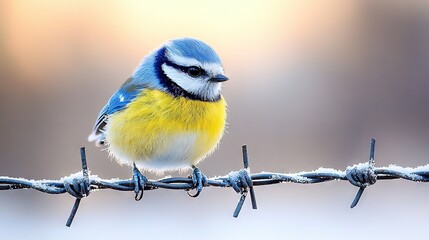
[{"x": 161, "y": 132}]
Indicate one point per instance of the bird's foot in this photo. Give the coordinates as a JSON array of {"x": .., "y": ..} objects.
[
  {"x": 139, "y": 183},
  {"x": 199, "y": 180}
]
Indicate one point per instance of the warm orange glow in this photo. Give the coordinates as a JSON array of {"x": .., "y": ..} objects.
[
  {"x": 310, "y": 82},
  {"x": 45, "y": 36}
]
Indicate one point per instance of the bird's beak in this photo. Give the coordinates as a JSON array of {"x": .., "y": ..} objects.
[{"x": 219, "y": 78}]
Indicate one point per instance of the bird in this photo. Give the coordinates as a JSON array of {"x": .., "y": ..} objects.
[{"x": 169, "y": 114}]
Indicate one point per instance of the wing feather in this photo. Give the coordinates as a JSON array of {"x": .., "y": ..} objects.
[{"x": 119, "y": 101}]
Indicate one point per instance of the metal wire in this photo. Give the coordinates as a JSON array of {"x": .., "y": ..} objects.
[{"x": 80, "y": 184}]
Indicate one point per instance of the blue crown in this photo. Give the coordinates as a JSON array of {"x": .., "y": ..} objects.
[{"x": 193, "y": 48}]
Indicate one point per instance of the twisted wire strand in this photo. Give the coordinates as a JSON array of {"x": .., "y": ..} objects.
[
  {"x": 419, "y": 174},
  {"x": 82, "y": 183}
]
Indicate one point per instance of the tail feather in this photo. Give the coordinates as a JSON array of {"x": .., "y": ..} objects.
[{"x": 98, "y": 138}]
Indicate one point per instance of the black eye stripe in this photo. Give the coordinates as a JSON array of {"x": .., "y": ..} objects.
[
  {"x": 183, "y": 68},
  {"x": 170, "y": 86}
]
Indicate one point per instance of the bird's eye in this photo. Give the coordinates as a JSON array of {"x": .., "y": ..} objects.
[{"x": 194, "y": 71}]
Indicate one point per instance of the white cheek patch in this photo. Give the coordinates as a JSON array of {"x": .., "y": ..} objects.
[
  {"x": 198, "y": 86},
  {"x": 182, "y": 79}
]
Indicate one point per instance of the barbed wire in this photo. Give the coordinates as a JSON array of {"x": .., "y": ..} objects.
[{"x": 80, "y": 184}]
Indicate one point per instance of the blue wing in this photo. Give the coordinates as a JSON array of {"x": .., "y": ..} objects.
[{"x": 119, "y": 101}]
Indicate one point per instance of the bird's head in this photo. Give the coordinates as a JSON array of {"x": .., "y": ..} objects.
[{"x": 190, "y": 68}]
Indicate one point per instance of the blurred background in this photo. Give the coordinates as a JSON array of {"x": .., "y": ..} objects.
[{"x": 311, "y": 82}]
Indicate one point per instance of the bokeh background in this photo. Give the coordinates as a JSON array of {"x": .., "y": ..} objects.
[{"x": 311, "y": 82}]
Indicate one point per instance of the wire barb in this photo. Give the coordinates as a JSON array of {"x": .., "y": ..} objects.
[
  {"x": 79, "y": 185},
  {"x": 79, "y": 190},
  {"x": 246, "y": 166},
  {"x": 363, "y": 175}
]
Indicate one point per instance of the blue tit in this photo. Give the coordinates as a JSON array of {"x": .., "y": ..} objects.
[{"x": 170, "y": 114}]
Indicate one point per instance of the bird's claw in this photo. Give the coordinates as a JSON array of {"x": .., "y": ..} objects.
[
  {"x": 199, "y": 180},
  {"x": 139, "y": 183}
]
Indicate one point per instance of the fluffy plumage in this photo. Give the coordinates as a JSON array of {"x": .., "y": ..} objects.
[{"x": 165, "y": 117}]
